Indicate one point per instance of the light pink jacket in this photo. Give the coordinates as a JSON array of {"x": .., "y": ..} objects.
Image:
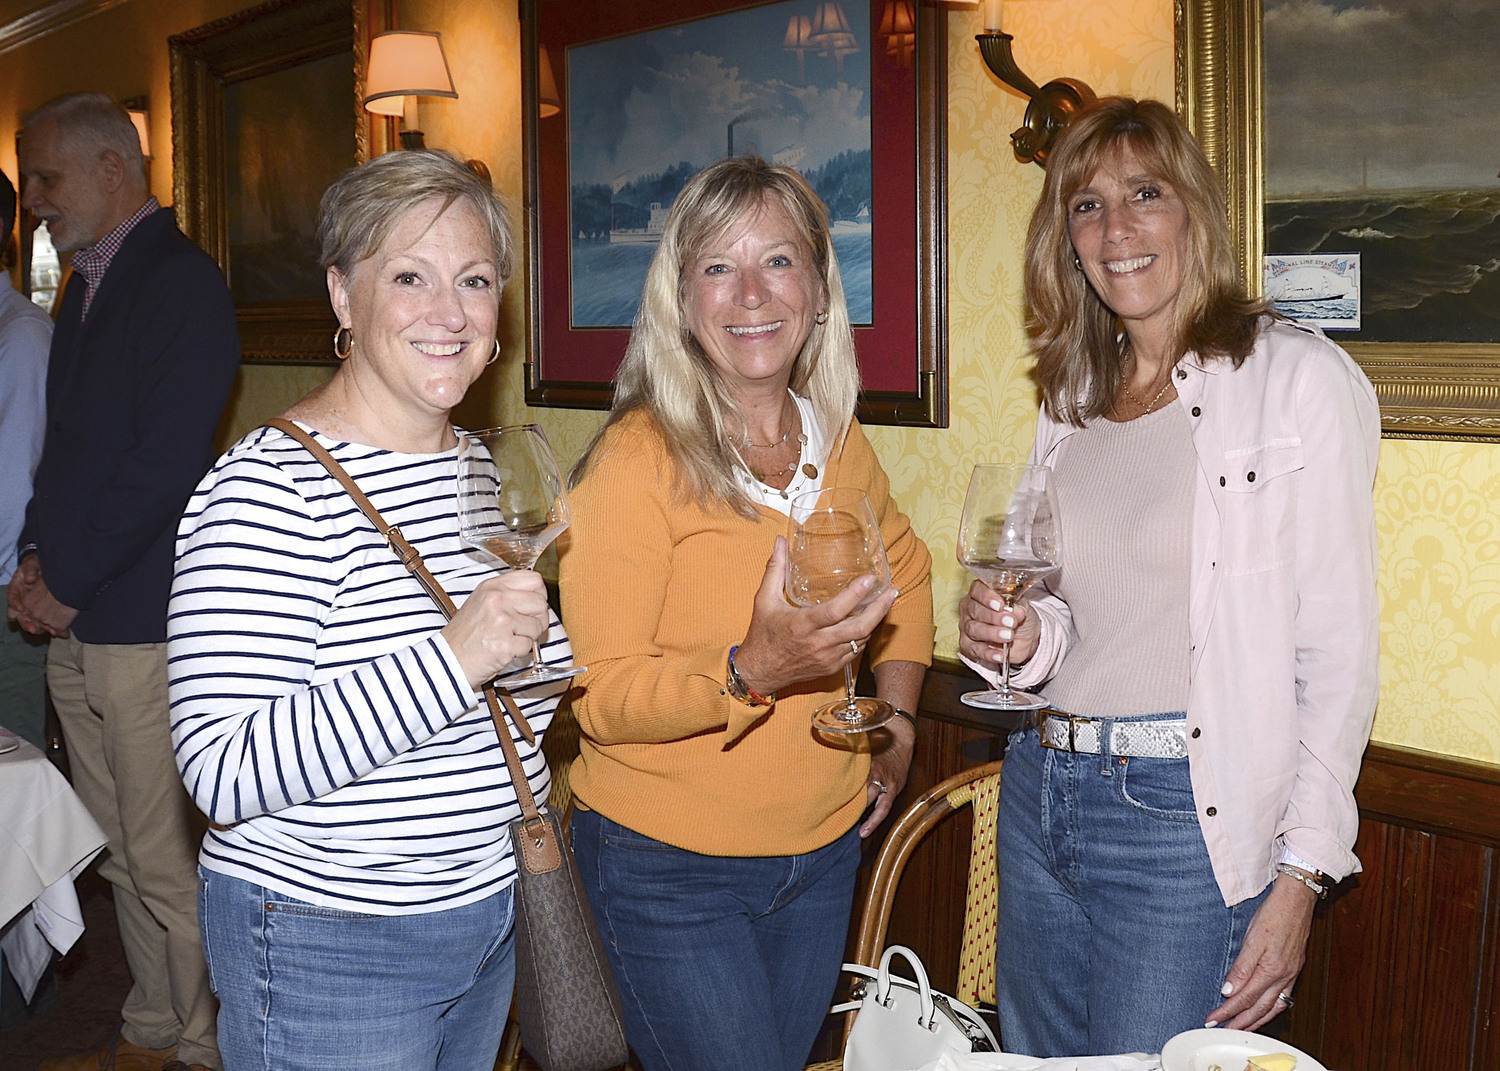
[{"x": 1283, "y": 618}]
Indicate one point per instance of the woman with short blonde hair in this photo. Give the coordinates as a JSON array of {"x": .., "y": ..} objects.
[{"x": 356, "y": 884}]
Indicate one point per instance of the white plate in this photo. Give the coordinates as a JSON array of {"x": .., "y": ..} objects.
[
  {"x": 1200, "y": 1050},
  {"x": 9, "y": 741}
]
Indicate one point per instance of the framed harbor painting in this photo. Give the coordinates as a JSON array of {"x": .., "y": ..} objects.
[
  {"x": 1368, "y": 128},
  {"x": 626, "y": 100}
]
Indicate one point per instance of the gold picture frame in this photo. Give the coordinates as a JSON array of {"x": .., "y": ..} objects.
[
  {"x": 215, "y": 71},
  {"x": 1434, "y": 390}
]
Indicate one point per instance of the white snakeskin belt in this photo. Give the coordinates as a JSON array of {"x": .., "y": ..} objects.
[{"x": 1165, "y": 739}]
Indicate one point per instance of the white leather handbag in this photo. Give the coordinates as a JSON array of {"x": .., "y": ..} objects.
[{"x": 903, "y": 1023}]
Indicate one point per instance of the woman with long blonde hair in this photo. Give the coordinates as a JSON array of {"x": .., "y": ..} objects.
[{"x": 719, "y": 833}]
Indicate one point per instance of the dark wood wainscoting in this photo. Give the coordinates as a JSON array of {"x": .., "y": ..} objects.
[{"x": 1404, "y": 959}]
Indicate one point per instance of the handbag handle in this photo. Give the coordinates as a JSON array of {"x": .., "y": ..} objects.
[
  {"x": 539, "y": 848},
  {"x": 928, "y": 1013}
]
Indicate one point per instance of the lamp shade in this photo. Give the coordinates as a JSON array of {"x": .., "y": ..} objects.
[
  {"x": 898, "y": 18},
  {"x": 548, "y": 100},
  {"x": 828, "y": 21},
  {"x": 405, "y": 63},
  {"x": 142, "y": 128},
  {"x": 798, "y": 33}
]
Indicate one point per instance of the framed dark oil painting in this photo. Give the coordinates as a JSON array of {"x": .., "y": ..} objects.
[
  {"x": 1369, "y": 128},
  {"x": 265, "y": 108}
]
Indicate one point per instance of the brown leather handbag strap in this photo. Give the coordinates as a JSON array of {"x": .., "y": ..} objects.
[{"x": 542, "y": 850}]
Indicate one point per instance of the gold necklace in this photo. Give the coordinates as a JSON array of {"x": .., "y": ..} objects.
[{"x": 1147, "y": 406}]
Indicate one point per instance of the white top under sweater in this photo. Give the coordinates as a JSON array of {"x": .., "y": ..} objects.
[
  {"x": 1125, "y": 496},
  {"x": 318, "y": 717}
]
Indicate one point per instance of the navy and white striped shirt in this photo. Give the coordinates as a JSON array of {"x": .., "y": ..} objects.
[{"x": 319, "y": 720}]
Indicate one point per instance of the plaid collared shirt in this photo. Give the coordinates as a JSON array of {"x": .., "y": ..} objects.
[{"x": 94, "y": 261}]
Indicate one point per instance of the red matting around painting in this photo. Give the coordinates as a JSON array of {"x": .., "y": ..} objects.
[{"x": 889, "y": 348}]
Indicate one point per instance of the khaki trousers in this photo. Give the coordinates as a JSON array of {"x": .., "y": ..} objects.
[{"x": 112, "y": 702}]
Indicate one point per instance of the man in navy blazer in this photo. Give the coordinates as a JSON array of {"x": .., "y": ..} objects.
[{"x": 142, "y": 361}]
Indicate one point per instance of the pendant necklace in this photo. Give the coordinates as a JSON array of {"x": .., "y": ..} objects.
[{"x": 809, "y": 470}]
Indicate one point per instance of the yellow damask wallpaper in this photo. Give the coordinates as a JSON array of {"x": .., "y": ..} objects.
[{"x": 1440, "y": 578}]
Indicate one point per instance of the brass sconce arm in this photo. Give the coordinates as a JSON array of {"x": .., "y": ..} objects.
[{"x": 1051, "y": 108}]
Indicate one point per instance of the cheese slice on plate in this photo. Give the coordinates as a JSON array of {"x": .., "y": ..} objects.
[{"x": 1273, "y": 1061}]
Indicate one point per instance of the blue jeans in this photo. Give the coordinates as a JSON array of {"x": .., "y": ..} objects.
[
  {"x": 723, "y": 964},
  {"x": 304, "y": 988},
  {"x": 1113, "y": 933}
]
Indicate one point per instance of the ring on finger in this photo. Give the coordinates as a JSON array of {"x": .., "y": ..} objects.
[
  {"x": 1285, "y": 998},
  {"x": 854, "y": 646}
]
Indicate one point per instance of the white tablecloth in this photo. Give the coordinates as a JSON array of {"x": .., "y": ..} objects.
[{"x": 46, "y": 838}]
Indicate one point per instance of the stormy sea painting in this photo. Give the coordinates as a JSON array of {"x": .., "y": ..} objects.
[
  {"x": 1383, "y": 139},
  {"x": 647, "y": 111}
]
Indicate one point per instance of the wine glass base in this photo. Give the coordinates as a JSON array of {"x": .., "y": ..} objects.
[
  {"x": 994, "y": 699},
  {"x": 866, "y": 714},
  {"x": 542, "y": 674}
]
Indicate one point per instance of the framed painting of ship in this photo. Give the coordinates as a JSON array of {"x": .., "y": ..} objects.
[
  {"x": 625, "y": 101},
  {"x": 1369, "y": 128}
]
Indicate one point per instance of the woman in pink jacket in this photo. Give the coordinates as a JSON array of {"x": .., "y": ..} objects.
[{"x": 1209, "y": 647}]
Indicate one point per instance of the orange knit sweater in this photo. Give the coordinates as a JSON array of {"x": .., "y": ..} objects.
[{"x": 655, "y": 590}]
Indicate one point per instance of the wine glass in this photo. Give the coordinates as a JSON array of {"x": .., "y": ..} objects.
[
  {"x": 511, "y": 506},
  {"x": 833, "y": 540},
  {"x": 1009, "y": 539}
]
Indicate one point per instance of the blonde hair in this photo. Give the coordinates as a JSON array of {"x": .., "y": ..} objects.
[
  {"x": 364, "y": 204},
  {"x": 666, "y": 372},
  {"x": 1077, "y": 339}
]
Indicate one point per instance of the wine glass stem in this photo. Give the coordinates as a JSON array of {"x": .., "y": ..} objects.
[
  {"x": 1005, "y": 689},
  {"x": 851, "y": 710}
]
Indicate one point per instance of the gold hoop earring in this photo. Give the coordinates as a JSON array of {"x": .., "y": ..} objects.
[
  {"x": 346, "y": 336},
  {"x": 1077, "y": 264},
  {"x": 822, "y": 317},
  {"x": 496, "y": 357}
]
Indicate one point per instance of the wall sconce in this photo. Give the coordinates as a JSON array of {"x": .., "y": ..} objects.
[
  {"x": 832, "y": 35},
  {"x": 1052, "y": 106},
  {"x": 898, "y": 25},
  {"x": 548, "y": 100},
  {"x": 405, "y": 65},
  {"x": 799, "y": 40}
]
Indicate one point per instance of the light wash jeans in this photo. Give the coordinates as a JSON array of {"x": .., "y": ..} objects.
[
  {"x": 1113, "y": 934},
  {"x": 305, "y": 988},
  {"x": 723, "y": 964}
]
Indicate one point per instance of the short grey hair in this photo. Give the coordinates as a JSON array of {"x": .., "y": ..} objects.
[
  {"x": 364, "y": 205},
  {"x": 92, "y": 122}
]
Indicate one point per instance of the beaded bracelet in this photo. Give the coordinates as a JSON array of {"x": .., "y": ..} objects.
[
  {"x": 1320, "y": 890},
  {"x": 742, "y": 691}
]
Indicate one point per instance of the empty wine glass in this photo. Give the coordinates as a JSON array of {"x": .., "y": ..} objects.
[
  {"x": 833, "y": 540},
  {"x": 511, "y": 506},
  {"x": 1009, "y": 539}
]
